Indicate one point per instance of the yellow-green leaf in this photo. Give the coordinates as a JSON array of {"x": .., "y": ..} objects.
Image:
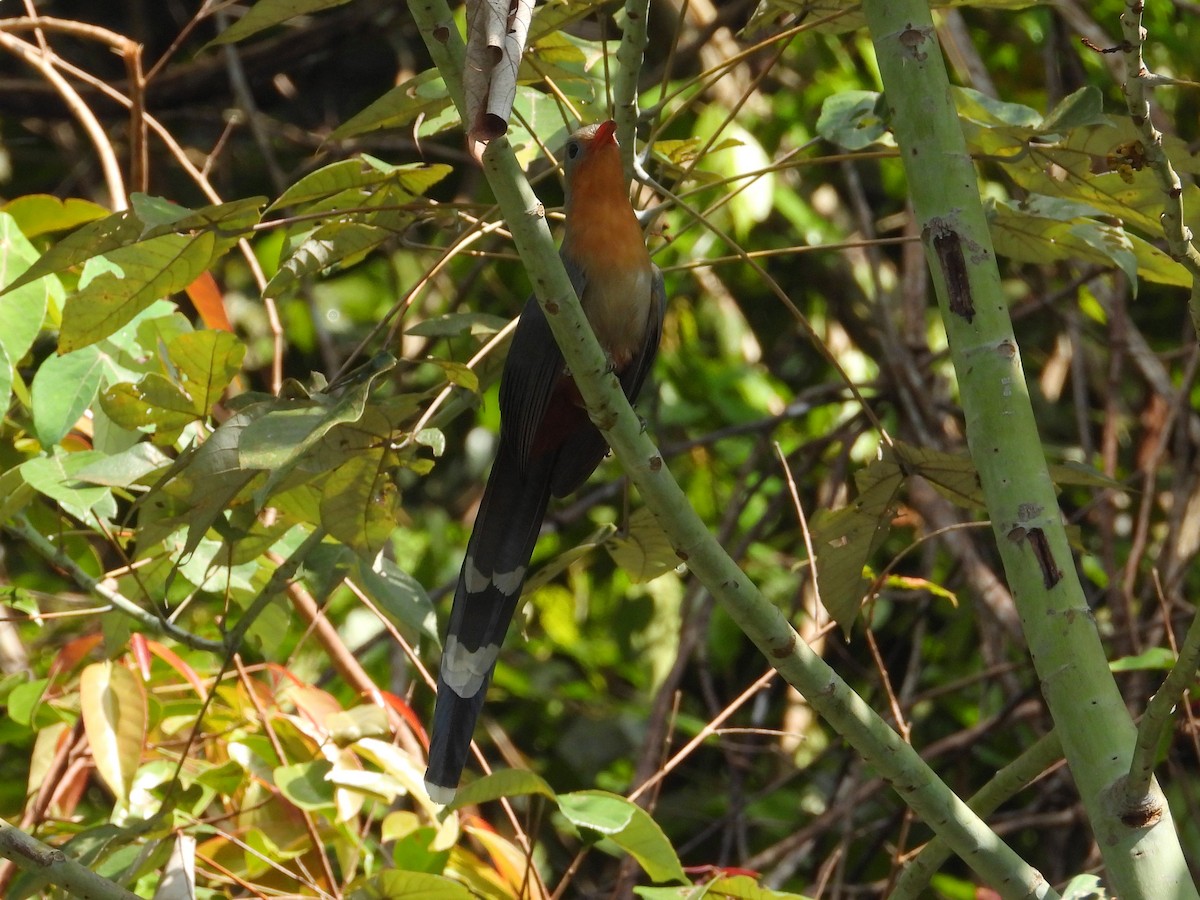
[
  {"x": 38, "y": 214},
  {"x": 113, "y": 703},
  {"x": 644, "y": 550}
]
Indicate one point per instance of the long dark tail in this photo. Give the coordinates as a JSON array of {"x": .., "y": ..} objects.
[{"x": 489, "y": 586}]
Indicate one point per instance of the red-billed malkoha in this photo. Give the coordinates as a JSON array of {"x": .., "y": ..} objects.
[{"x": 548, "y": 445}]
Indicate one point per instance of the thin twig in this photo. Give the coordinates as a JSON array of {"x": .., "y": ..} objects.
[
  {"x": 22, "y": 528},
  {"x": 87, "y": 119}
]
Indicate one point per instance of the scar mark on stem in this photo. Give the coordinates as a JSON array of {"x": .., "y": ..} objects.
[
  {"x": 911, "y": 40},
  {"x": 947, "y": 246},
  {"x": 1051, "y": 573}
]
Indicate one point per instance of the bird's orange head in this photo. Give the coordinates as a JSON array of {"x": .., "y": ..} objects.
[
  {"x": 601, "y": 225},
  {"x": 593, "y": 162}
]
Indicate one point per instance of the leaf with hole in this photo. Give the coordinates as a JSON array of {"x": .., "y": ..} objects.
[{"x": 130, "y": 279}]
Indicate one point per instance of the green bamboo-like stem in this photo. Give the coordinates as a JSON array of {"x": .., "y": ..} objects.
[
  {"x": 55, "y": 867},
  {"x": 762, "y": 622},
  {"x": 1159, "y": 717},
  {"x": 1137, "y": 95},
  {"x": 634, "y": 39},
  {"x": 913, "y": 882},
  {"x": 1142, "y": 853}
]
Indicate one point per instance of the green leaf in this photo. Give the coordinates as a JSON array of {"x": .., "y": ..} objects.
[
  {"x": 15, "y": 494},
  {"x": 54, "y": 476},
  {"x": 422, "y": 97},
  {"x": 854, "y": 120},
  {"x": 606, "y": 813},
  {"x": 843, "y": 540},
  {"x": 1061, "y": 209},
  {"x": 1085, "y": 887},
  {"x": 1046, "y": 229},
  {"x": 399, "y": 595},
  {"x": 984, "y": 109},
  {"x": 132, "y": 279},
  {"x": 736, "y": 887},
  {"x": 953, "y": 475},
  {"x": 458, "y": 374},
  {"x": 38, "y": 214},
  {"x": 207, "y": 362},
  {"x": 366, "y": 720},
  {"x": 1091, "y": 166},
  {"x": 267, "y": 13},
  {"x": 845, "y": 15},
  {"x": 475, "y": 324},
  {"x": 412, "y": 180},
  {"x": 6, "y": 379},
  {"x": 1084, "y": 107},
  {"x": 359, "y": 501},
  {"x": 125, "y": 468},
  {"x": 227, "y": 221},
  {"x": 1077, "y": 473},
  {"x": 154, "y": 402},
  {"x": 63, "y": 388},
  {"x": 306, "y": 785},
  {"x": 1109, "y": 242},
  {"x": 501, "y": 783},
  {"x": 433, "y": 438},
  {"x": 25, "y": 706},
  {"x": 22, "y": 309},
  {"x": 209, "y": 478},
  {"x": 79, "y": 246},
  {"x": 914, "y": 583},
  {"x": 628, "y": 826},
  {"x": 394, "y": 885},
  {"x": 288, "y": 430},
  {"x": 156, "y": 211},
  {"x": 327, "y": 436},
  {"x": 1154, "y": 658},
  {"x": 643, "y": 549},
  {"x": 329, "y": 245},
  {"x": 318, "y": 433}
]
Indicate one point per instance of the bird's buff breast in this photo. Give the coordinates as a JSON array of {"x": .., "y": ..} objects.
[{"x": 617, "y": 305}]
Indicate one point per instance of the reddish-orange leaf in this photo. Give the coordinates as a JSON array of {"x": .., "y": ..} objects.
[
  {"x": 69, "y": 790},
  {"x": 206, "y": 297},
  {"x": 73, "y": 652},
  {"x": 314, "y": 704},
  {"x": 407, "y": 714},
  {"x": 171, "y": 658},
  {"x": 141, "y": 654}
]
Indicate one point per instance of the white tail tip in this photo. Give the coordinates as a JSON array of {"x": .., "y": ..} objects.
[{"x": 439, "y": 794}]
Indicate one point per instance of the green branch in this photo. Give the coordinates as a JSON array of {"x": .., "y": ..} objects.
[
  {"x": 913, "y": 882},
  {"x": 1137, "y": 96},
  {"x": 1143, "y": 855},
  {"x": 53, "y": 866},
  {"x": 22, "y": 528},
  {"x": 1159, "y": 717},
  {"x": 634, "y": 39}
]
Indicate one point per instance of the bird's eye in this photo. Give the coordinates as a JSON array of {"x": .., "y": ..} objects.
[{"x": 573, "y": 149}]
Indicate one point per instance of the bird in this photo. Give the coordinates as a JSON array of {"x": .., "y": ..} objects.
[{"x": 547, "y": 445}]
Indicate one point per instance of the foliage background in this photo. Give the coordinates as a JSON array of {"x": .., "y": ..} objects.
[{"x": 616, "y": 670}]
